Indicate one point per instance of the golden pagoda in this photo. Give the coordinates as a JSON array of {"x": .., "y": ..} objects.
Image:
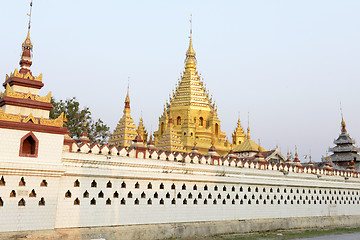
[
  {"x": 125, "y": 132},
  {"x": 141, "y": 130},
  {"x": 193, "y": 114},
  {"x": 239, "y": 135}
]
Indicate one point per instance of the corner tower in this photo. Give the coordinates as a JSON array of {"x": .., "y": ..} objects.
[
  {"x": 194, "y": 114},
  {"x": 24, "y": 116}
]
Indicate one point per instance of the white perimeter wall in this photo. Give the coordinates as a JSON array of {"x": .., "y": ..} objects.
[
  {"x": 338, "y": 196},
  {"x": 155, "y": 205}
]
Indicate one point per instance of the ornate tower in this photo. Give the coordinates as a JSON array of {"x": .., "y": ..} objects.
[
  {"x": 22, "y": 88},
  {"x": 142, "y": 131},
  {"x": 193, "y": 113},
  {"x": 239, "y": 135},
  {"x": 345, "y": 153},
  {"x": 125, "y": 131},
  {"x": 20, "y": 102},
  {"x": 24, "y": 116}
]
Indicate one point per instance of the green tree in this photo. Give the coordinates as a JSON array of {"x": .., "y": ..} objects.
[{"x": 79, "y": 120}]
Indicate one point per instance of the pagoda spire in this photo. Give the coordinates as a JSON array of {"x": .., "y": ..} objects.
[
  {"x": 27, "y": 48},
  {"x": 343, "y": 125},
  {"x": 190, "y": 52},
  {"x": 127, "y": 101},
  {"x": 248, "y": 128},
  {"x": 190, "y": 59}
]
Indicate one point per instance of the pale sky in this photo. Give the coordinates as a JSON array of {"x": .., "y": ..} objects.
[{"x": 288, "y": 63}]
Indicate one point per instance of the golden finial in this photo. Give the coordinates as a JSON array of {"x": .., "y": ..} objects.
[
  {"x": 190, "y": 25},
  {"x": 27, "y": 43},
  {"x": 296, "y": 153},
  {"x": 127, "y": 99},
  {"x": 239, "y": 123},
  {"x": 248, "y": 129},
  {"x": 190, "y": 52},
  {"x": 65, "y": 119},
  {"x": 343, "y": 125}
]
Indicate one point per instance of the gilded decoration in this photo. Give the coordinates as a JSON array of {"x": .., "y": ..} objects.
[
  {"x": 28, "y": 96},
  {"x": 30, "y": 118},
  {"x": 58, "y": 122},
  {"x": 46, "y": 98},
  {"x": 9, "y": 117},
  {"x": 25, "y": 76},
  {"x": 11, "y": 93}
]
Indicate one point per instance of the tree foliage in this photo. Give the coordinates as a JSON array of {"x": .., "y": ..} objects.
[{"x": 79, "y": 120}]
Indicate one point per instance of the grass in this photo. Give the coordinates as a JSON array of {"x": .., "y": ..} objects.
[{"x": 285, "y": 234}]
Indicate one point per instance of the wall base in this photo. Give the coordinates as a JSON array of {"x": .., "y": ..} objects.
[{"x": 185, "y": 230}]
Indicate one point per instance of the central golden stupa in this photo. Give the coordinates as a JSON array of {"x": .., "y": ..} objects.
[
  {"x": 190, "y": 117},
  {"x": 189, "y": 121}
]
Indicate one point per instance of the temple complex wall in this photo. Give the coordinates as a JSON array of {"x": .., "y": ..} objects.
[
  {"x": 93, "y": 190},
  {"x": 31, "y": 216}
]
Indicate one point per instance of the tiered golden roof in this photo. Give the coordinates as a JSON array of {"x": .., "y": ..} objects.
[
  {"x": 194, "y": 114},
  {"x": 125, "y": 132},
  {"x": 141, "y": 130}
]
